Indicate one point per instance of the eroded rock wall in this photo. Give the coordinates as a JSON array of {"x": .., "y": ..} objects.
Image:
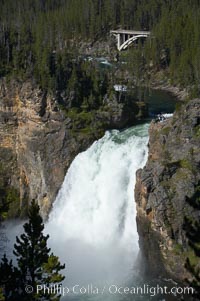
[
  {"x": 39, "y": 140},
  {"x": 168, "y": 196},
  {"x": 36, "y": 146}
]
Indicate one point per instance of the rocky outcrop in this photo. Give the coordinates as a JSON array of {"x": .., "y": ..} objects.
[
  {"x": 39, "y": 140},
  {"x": 167, "y": 194}
]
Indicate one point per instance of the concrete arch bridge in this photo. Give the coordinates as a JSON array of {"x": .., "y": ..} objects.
[{"x": 127, "y": 37}]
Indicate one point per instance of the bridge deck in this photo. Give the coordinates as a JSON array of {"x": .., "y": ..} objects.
[{"x": 133, "y": 32}]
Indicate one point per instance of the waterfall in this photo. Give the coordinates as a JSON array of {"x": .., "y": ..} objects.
[{"x": 92, "y": 225}]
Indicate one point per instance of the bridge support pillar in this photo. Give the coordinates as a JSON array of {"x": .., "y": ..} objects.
[{"x": 118, "y": 41}]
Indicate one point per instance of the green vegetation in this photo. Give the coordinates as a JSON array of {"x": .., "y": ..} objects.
[
  {"x": 85, "y": 122},
  {"x": 166, "y": 130},
  {"x": 41, "y": 38},
  {"x": 178, "y": 106},
  {"x": 197, "y": 131},
  {"x": 185, "y": 163},
  {"x": 35, "y": 264},
  {"x": 9, "y": 195},
  {"x": 179, "y": 165},
  {"x": 178, "y": 249},
  {"x": 192, "y": 257}
]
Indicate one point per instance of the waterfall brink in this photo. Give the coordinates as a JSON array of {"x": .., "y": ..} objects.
[{"x": 92, "y": 225}]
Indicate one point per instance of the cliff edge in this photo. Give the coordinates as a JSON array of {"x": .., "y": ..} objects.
[{"x": 167, "y": 194}]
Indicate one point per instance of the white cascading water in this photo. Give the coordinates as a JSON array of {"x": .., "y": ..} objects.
[{"x": 92, "y": 225}]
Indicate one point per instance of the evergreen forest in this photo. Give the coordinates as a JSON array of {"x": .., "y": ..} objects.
[{"x": 40, "y": 38}]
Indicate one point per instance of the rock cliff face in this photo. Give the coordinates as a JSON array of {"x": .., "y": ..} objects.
[
  {"x": 38, "y": 141},
  {"x": 168, "y": 196}
]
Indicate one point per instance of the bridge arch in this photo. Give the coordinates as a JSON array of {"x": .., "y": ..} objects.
[{"x": 130, "y": 41}]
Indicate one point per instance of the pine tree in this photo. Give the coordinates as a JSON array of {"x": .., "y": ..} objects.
[
  {"x": 9, "y": 280},
  {"x": 51, "y": 270},
  {"x": 36, "y": 266}
]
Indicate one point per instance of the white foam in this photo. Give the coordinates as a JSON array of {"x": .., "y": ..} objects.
[{"x": 92, "y": 226}]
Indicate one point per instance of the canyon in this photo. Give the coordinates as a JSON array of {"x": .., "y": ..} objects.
[{"x": 39, "y": 141}]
